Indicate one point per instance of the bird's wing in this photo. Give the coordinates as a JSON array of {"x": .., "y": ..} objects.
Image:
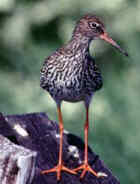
[
  {"x": 93, "y": 76},
  {"x": 46, "y": 70},
  {"x": 53, "y": 65}
]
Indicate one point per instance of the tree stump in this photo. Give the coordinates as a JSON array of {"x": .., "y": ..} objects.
[{"x": 37, "y": 133}]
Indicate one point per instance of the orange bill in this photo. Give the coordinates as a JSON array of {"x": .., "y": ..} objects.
[{"x": 105, "y": 37}]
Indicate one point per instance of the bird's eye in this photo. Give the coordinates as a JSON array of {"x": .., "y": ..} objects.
[{"x": 94, "y": 25}]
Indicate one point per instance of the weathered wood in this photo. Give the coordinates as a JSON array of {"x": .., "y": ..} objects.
[
  {"x": 36, "y": 132},
  {"x": 17, "y": 164}
]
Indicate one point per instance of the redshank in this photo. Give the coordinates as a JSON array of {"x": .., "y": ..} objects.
[{"x": 70, "y": 74}]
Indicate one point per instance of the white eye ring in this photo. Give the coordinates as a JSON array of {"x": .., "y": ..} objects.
[{"x": 94, "y": 25}]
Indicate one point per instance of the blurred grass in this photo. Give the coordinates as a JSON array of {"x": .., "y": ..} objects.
[{"x": 31, "y": 30}]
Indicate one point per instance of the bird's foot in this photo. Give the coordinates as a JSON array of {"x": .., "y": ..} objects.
[
  {"x": 58, "y": 169},
  {"x": 86, "y": 168}
]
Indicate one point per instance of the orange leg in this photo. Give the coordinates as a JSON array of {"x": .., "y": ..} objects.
[
  {"x": 58, "y": 169},
  {"x": 85, "y": 166}
]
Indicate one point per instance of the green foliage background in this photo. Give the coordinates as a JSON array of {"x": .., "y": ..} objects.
[{"x": 31, "y": 30}]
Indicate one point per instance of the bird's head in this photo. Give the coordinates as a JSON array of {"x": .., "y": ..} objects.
[{"x": 91, "y": 26}]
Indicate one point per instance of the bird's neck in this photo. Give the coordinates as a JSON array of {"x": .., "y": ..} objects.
[{"x": 79, "y": 43}]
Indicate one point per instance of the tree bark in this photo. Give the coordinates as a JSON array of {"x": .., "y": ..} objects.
[{"x": 17, "y": 164}]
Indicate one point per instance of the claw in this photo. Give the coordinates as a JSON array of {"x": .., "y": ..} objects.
[
  {"x": 58, "y": 169},
  {"x": 86, "y": 168}
]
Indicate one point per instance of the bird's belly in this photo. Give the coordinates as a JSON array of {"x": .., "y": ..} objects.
[
  {"x": 71, "y": 95},
  {"x": 67, "y": 92}
]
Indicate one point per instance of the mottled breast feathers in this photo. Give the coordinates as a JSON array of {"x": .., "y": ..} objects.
[{"x": 65, "y": 77}]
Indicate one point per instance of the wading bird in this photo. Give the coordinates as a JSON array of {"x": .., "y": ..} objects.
[{"x": 70, "y": 74}]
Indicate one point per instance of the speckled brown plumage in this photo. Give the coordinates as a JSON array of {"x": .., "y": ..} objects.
[{"x": 70, "y": 74}]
